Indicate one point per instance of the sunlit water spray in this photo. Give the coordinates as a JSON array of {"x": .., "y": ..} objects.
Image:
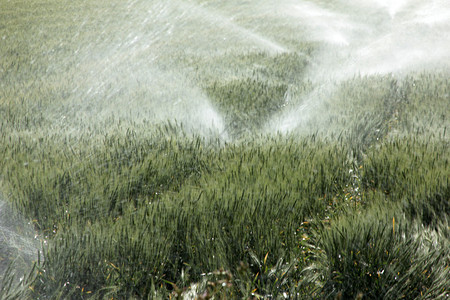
[
  {"x": 322, "y": 25},
  {"x": 130, "y": 77},
  {"x": 371, "y": 38},
  {"x": 135, "y": 71},
  {"x": 392, "y": 6},
  {"x": 138, "y": 68},
  {"x": 18, "y": 244},
  {"x": 230, "y": 29}
]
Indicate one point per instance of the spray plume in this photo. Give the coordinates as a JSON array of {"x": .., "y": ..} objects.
[{"x": 366, "y": 38}]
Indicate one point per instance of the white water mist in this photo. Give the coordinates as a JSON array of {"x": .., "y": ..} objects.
[
  {"x": 18, "y": 243},
  {"x": 366, "y": 38}
]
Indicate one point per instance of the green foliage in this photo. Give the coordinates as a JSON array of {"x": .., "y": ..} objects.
[
  {"x": 247, "y": 103},
  {"x": 131, "y": 205},
  {"x": 394, "y": 167},
  {"x": 378, "y": 255}
]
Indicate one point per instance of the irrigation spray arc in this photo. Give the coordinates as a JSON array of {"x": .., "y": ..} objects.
[
  {"x": 366, "y": 38},
  {"x": 135, "y": 71}
]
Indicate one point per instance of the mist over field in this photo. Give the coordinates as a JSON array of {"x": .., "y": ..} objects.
[
  {"x": 147, "y": 50},
  {"x": 228, "y": 149}
]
